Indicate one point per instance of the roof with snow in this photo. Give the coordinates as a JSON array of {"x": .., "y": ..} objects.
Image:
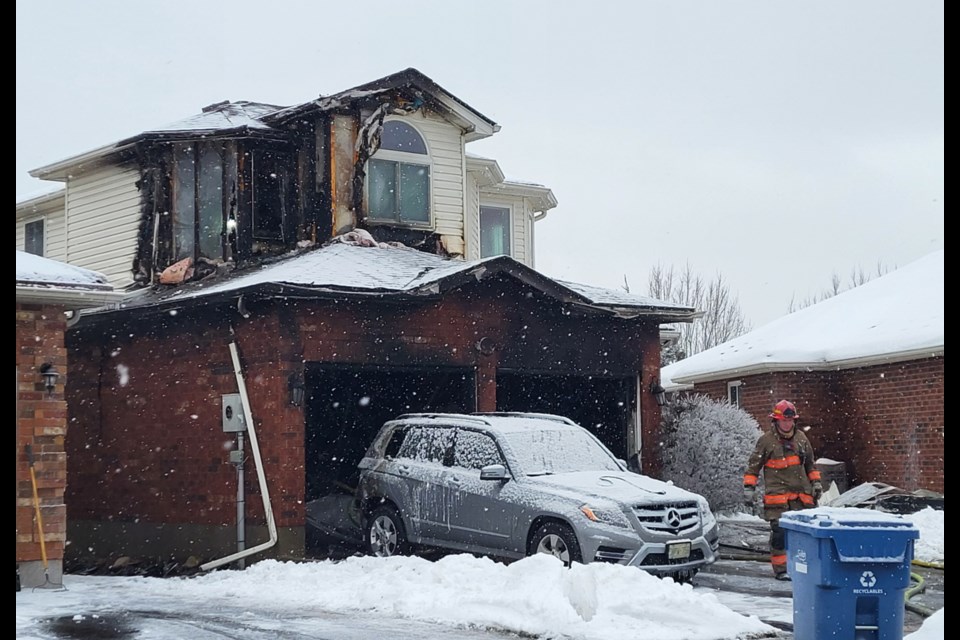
[
  {"x": 44, "y": 281},
  {"x": 344, "y": 269},
  {"x": 39, "y": 271},
  {"x": 894, "y": 318}
]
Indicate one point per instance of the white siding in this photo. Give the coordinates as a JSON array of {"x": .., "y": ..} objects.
[
  {"x": 520, "y": 223},
  {"x": 53, "y": 231},
  {"x": 445, "y": 143},
  {"x": 471, "y": 221},
  {"x": 103, "y": 215}
]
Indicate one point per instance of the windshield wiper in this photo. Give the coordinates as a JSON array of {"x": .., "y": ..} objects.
[{"x": 540, "y": 473}]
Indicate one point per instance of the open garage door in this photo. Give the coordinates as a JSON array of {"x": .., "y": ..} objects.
[
  {"x": 603, "y": 405},
  {"x": 347, "y": 405}
]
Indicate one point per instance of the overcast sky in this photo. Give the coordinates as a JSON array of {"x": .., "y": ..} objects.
[{"x": 775, "y": 143}]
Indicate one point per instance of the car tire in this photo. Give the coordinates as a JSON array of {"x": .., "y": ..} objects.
[
  {"x": 384, "y": 535},
  {"x": 556, "y": 539}
]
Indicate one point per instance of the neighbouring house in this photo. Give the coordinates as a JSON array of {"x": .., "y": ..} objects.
[
  {"x": 865, "y": 369},
  {"x": 296, "y": 276},
  {"x": 46, "y": 291}
]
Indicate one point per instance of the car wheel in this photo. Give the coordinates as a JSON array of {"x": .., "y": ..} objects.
[
  {"x": 558, "y": 540},
  {"x": 385, "y": 535}
]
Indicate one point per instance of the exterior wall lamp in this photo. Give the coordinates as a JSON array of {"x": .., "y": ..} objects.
[
  {"x": 49, "y": 374},
  {"x": 296, "y": 389},
  {"x": 659, "y": 393}
]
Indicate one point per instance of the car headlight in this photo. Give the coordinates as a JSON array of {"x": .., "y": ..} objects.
[
  {"x": 612, "y": 517},
  {"x": 707, "y": 519}
]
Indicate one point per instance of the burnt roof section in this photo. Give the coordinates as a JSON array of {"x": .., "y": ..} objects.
[
  {"x": 409, "y": 78},
  {"x": 257, "y": 119},
  {"x": 343, "y": 270}
]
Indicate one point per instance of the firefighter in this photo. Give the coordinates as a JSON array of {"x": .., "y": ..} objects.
[{"x": 791, "y": 481}]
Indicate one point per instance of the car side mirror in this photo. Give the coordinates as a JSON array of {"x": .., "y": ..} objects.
[
  {"x": 493, "y": 472},
  {"x": 623, "y": 463}
]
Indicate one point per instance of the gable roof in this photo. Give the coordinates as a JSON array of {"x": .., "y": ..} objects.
[
  {"x": 345, "y": 270},
  {"x": 260, "y": 119},
  {"x": 894, "y": 318}
]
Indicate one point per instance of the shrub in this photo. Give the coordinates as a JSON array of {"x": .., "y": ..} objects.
[{"x": 705, "y": 448}]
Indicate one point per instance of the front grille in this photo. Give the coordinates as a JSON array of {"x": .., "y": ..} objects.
[
  {"x": 674, "y": 518},
  {"x": 661, "y": 559}
]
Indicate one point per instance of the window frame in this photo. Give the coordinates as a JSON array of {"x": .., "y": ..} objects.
[
  {"x": 511, "y": 239},
  {"x": 733, "y": 392},
  {"x": 197, "y": 149},
  {"x": 43, "y": 241},
  {"x": 398, "y": 158}
]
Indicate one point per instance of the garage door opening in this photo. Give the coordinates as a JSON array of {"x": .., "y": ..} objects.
[
  {"x": 602, "y": 405},
  {"x": 345, "y": 407}
]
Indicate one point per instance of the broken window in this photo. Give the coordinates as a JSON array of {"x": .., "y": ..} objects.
[
  {"x": 494, "y": 231},
  {"x": 268, "y": 191},
  {"x": 33, "y": 237},
  {"x": 198, "y": 201},
  {"x": 398, "y": 177}
]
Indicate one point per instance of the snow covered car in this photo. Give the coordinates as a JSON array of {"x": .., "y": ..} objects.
[{"x": 509, "y": 485}]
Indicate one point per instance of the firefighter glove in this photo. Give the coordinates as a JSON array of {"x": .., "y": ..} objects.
[
  {"x": 817, "y": 490},
  {"x": 749, "y": 494}
]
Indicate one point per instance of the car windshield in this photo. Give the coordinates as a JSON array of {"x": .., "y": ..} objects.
[{"x": 552, "y": 451}]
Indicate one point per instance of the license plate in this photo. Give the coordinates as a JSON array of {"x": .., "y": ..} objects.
[{"x": 678, "y": 550}]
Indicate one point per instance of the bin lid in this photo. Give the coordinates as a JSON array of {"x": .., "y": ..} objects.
[
  {"x": 858, "y": 534},
  {"x": 827, "y": 519}
]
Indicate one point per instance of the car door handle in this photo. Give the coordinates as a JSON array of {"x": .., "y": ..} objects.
[
  {"x": 403, "y": 470},
  {"x": 455, "y": 479}
]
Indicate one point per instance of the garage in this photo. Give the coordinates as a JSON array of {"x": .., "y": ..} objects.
[
  {"x": 604, "y": 405},
  {"x": 347, "y": 405}
]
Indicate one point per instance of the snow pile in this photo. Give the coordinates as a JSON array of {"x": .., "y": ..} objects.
[
  {"x": 932, "y": 628},
  {"x": 33, "y": 269},
  {"x": 535, "y": 596},
  {"x": 929, "y": 548}
]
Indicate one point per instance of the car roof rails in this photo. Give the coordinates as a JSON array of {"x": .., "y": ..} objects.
[
  {"x": 527, "y": 414},
  {"x": 464, "y": 417}
]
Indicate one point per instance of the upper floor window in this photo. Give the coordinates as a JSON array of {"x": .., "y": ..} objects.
[
  {"x": 33, "y": 237},
  {"x": 733, "y": 393},
  {"x": 494, "y": 231},
  {"x": 197, "y": 201},
  {"x": 398, "y": 177}
]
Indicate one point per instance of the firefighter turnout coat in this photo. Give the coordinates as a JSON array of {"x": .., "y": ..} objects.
[{"x": 788, "y": 471}]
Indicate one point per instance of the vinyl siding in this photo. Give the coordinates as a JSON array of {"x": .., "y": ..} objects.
[
  {"x": 53, "y": 232},
  {"x": 472, "y": 219},
  {"x": 103, "y": 215},
  {"x": 445, "y": 143},
  {"x": 520, "y": 223}
]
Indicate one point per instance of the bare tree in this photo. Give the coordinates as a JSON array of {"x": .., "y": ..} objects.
[
  {"x": 722, "y": 317},
  {"x": 857, "y": 277}
]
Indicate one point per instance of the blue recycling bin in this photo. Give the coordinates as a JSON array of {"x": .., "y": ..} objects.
[{"x": 850, "y": 569}]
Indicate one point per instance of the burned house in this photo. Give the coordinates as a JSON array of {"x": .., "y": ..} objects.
[{"x": 316, "y": 270}]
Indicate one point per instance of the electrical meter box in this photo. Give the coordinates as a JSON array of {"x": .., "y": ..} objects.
[{"x": 232, "y": 413}]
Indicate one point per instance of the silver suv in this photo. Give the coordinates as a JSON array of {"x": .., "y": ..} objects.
[{"x": 510, "y": 485}]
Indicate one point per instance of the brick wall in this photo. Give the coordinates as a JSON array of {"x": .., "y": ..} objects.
[
  {"x": 147, "y": 447},
  {"x": 41, "y": 422},
  {"x": 885, "y": 422}
]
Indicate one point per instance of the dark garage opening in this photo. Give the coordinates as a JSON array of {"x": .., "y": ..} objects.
[
  {"x": 601, "y": 404},
  {"x": 345, "y": 407}
]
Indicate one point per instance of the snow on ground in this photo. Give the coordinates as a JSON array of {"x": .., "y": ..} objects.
[{"x": 535, "y": 596}]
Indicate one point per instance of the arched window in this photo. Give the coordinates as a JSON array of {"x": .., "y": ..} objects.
[{"x": 398, "y": 176}]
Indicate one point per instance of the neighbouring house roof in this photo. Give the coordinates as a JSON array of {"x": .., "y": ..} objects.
[
  {"x": 255, "y": 118},
  {"x": 346, "y": 270},
  {"x": 894, "y": 318},
  {"x": 46, "y": 281}
]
